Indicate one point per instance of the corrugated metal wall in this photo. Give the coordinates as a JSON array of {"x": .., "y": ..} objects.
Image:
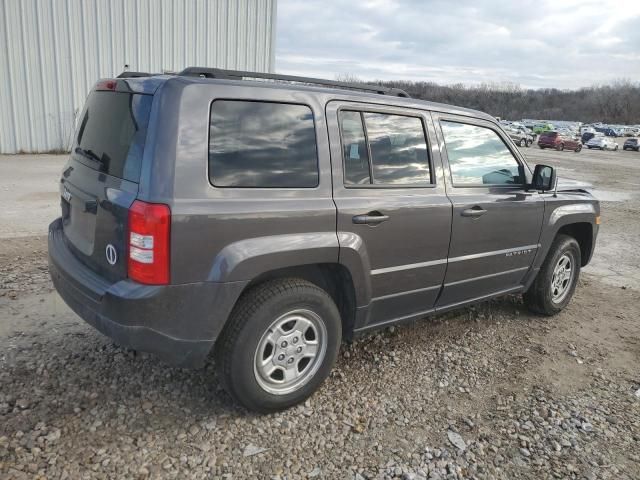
[{"x": 53, "y": 51}]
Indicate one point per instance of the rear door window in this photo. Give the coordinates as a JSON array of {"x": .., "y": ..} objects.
[
  {"x": 262, "y": 145},
  {"x": 112, "y": 133},
  {"x": 384, "y": 149}
]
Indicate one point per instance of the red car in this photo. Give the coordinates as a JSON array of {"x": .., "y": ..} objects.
[{"x": 559, "y": 142}]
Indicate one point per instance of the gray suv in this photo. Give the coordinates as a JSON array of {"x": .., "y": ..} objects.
[{"x": 264, "y": 218}]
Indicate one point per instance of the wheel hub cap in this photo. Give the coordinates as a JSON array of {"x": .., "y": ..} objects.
[
  {"x": 561, "y": 279},
  {"x": 290, "y": 352}
]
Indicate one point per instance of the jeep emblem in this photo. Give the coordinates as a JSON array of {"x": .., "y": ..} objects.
[{"x": 111, "y": 254}]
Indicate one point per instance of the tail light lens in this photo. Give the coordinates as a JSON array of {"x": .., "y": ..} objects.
[
  {"x": 106, "y": 85},
  {"x": 149, "y": 230}
]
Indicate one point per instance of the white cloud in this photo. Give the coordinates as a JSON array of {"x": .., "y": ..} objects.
[{"x": 534, "y": 43}]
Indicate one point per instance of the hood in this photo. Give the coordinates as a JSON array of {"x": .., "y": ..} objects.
[{"x": 568, "y": 184}]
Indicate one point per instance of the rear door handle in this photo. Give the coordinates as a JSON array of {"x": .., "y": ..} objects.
[
  {"x": 475, "y": 212},
  {"x": 371, "y": 218}
]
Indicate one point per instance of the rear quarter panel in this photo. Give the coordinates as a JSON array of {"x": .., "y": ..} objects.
[{"x": 233, "y": 234}]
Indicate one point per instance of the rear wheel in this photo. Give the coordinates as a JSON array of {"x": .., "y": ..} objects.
[
  {"x": 578, "y": 148},
  {"x": 557, "y": 279},
  {"x": 616, "y": 148},
  {"x": 560, "y": 147},
  {"x": 280, "y": 344}
]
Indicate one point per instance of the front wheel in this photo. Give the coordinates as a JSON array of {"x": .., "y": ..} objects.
[
  {"x": 578, "y": 148},
  {"x": 560, "y": 147},
  {"x": 528, "y": 143},
  {"x": 523, "y": 142},
  {"x": 557, "y": 279},
  {"x": 280, "y": 344},
  {"x": 616, "y": 148}
]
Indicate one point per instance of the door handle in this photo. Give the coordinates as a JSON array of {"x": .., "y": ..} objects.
[
  {"x": 474, "y": 212},
  {"x": 371, "y": 218}
]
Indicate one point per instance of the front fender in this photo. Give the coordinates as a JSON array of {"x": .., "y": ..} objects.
[
  {"x": 246, "y": 259},
  {"x": 558, "y": 216}
]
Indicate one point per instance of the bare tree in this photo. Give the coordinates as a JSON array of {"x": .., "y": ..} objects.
[{"x": 617, "y": 103}]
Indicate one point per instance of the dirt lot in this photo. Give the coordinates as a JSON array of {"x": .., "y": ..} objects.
[{"x": 491, "y": 391}]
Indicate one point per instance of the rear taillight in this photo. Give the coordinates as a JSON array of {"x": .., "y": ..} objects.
[
  {"x": 106, "y": 85},
  {"x": 149, "y": 230}
]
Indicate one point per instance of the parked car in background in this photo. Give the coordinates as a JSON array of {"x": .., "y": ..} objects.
[
  {"x": 589, "y": 135},
  {"x": 631, "y": 144},
  {"x": 520, "y": 135},
  {"x": 542, "y": 127},
  {"x": 602, "y": 143},
  {"x": 559, "y": 142},
  {"x": 607, "y": 131},
  {"x": 587, "y": 129}
]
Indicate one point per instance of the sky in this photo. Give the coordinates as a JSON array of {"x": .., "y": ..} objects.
[{"x": 564, "y": 44}]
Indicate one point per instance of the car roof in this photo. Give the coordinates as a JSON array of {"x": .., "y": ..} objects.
[{"x": 150, "y": 84}]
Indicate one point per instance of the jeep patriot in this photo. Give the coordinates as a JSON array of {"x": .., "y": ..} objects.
[{"x": 264, "y": 218}]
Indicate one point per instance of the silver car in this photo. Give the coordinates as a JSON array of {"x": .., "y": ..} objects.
[{"x": 603, "y": 143}]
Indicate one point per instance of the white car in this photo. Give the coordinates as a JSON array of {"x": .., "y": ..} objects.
[{"x": 603, "y": 143}]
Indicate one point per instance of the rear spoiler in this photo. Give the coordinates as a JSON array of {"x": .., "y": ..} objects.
[{"x": 136, "y": 74}]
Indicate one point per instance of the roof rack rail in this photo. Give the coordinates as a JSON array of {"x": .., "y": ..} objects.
[{"x": 238, "y": 74}]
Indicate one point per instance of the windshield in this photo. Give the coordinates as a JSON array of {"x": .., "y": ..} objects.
[{"x": 112, "y": 132}]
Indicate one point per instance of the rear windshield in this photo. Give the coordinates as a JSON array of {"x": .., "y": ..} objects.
[
  {"x": 549, "y": 134},
  {"x": 112, "y": 132}
]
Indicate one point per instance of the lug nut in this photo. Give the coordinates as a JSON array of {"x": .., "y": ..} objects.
[
  {"x": 284, "y": 344},
  {"x": 295, "y": 339},
  {"x": 290, "y": 360},
  {"x": 281, "y": 356},
  {"x": 299, "y": 350}
]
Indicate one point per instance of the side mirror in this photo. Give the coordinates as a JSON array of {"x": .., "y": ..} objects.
[{"x": 544, "y": 178}]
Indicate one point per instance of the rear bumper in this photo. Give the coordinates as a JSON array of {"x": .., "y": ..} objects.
[{"x": 179, "y": 323}]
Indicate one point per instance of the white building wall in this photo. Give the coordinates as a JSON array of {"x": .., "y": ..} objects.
[{"x": 53, "y": 51}]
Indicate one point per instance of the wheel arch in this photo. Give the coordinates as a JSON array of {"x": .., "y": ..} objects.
[
  {"x": 334, "y": 278},
  {"x": 583, "y": 233}
]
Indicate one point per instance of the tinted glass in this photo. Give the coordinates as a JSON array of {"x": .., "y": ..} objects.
[
  {"x": 354, "y": 148},
  {"x": 259, "y": 144},
  {"x": 112, "y": 133},
  {"x": 398, "y": 149},
  {"x": 478, "y": 156}
]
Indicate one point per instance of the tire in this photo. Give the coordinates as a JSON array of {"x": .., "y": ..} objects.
[
  {"x": 252, "y": 333},
  {"x": 529, "y": 142},
  {"x": 543, "y": 296},
  {"x": 616, "y": 148},
  {"x": 578, "y": 148},
  {"x": 541, "y": 147},
  {"x": 560, "y": 147},
  {"x": 523, "y": 142}
]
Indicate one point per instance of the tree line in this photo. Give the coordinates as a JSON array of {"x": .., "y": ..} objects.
[{"x": 616, "y": 103}]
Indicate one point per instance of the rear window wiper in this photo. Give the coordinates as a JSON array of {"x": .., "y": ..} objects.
[{"x": 90, "y": 154}]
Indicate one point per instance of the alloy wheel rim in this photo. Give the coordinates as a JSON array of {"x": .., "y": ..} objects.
[
  {"x": 290, "y": 352},
  {"x": 561, "y": 278}
]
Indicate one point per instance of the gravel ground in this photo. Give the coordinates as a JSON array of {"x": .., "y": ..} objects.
[{"x": 490, "y": 391}]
